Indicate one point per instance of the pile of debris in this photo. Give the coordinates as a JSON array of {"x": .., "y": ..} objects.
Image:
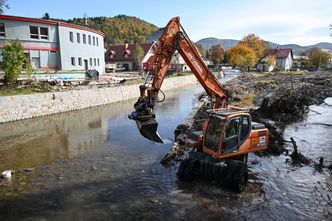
[{"x": 283, "y": 98}]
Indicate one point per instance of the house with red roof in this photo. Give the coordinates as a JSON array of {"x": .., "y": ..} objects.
[
  {"x": 125, "y": 55},
  {"x": 284, "y": 59}
]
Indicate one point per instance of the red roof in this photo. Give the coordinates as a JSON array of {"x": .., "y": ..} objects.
[
  {"x": 49, "y": 22},
  {"x": 278, "y": 52},
  {"x": 125, "y": 52}
]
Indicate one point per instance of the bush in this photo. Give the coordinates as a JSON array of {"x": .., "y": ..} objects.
[{"x": 13, "y": 60}]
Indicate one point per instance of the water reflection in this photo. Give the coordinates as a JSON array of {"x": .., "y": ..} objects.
[{"x": 94, "y": 164}]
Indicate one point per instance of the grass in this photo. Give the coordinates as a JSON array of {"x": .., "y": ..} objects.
[
  {"x": 247, "y": 100},
  {"x": 20, "y": 91},
  {"x": 264, "y": 83}
]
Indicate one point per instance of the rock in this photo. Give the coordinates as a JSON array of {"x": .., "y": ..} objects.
[
  {"x": 330, "y": 167},
  {"x": 28, "y": 169}
]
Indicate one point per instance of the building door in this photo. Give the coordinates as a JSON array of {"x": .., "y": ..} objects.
[{"x": 86, "y": 66}]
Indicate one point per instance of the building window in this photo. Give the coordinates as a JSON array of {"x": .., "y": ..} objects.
[
  {"x": 98, "y": 60},
  {"x": 78, "y": 38},
  {"x": 97, "y": 41},
  {"x": 89, "y": 39},
  {"x": 43, "y": 33},
  {"x": 71, "y": 36},
  {"x": 95, "y": 62},
  {"x": 73, "y": 61},
  {"x": 2, "y": 30},
  {"x": 94, "y": 40},
  {"x": 34, "y": 32},
  {"x": 80, "y": 61},
  {"x": 84, "y": 39},
  {"x": 90, "y": 61},
  {"x": 53, "y": 52}
]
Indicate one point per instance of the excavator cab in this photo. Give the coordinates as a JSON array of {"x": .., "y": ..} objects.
[{"x": 230, "y": 133}]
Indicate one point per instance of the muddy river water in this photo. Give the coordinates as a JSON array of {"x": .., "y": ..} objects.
[{"x": 94, "y": 165}]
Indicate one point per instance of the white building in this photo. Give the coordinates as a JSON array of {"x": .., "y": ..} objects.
[{"x": 55, "y": 45}]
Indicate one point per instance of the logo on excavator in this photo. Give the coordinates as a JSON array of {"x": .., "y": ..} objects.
[{"x": 193, "y": 59}]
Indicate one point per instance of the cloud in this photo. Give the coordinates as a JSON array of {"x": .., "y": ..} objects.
[{"x": 280, "y": 21}]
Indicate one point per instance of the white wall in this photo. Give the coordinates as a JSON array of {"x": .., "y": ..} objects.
[{"x": 86, "y": 51}]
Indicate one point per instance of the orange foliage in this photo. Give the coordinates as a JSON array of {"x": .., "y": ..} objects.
[
  {"x": 242, "y": 56},
  {"x": 255, "y": 43}
]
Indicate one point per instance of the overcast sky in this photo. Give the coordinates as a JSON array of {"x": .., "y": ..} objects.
[{"x": 301, "y": 22}]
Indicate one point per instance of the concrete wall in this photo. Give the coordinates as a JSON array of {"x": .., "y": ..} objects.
[{"x": 20, "y": 107}]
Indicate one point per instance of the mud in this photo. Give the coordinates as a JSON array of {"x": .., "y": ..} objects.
[{"x": 278, "y": 99}]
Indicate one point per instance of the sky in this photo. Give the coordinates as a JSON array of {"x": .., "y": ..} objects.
[{"x": 303, "y": 22}]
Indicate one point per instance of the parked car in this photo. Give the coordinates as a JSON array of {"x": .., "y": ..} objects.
[
  {"x": 119, "y": 67},
  {"x": 110, "y": 68}
]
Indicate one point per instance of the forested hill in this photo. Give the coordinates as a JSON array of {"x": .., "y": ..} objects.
[{"x": 119, "y": 29}]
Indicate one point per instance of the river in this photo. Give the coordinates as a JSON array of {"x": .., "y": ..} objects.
[{"x": 94, "y": 165}]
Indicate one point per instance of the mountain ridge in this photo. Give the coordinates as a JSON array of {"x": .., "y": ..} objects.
[{"x": 228, "y": 43}]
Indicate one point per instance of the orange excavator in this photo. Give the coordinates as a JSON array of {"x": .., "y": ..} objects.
[{"x": 220, "y": 150}]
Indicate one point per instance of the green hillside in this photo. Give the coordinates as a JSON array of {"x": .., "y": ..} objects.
[{"x": 119, "y": 29}]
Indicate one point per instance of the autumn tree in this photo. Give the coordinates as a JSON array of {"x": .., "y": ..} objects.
[
  {"x": 255, "y": 43},
  {"x": 217, "y": 54},
  {"x": 13, "y": 60},
  {"x": 318, "y": 57},
  {"x": 138, "y": 56},
  {"x": 119, "y": 29},
  {"x": 242, "y": 56}
]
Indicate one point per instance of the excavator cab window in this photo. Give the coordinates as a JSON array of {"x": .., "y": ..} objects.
[
  {"x": 231, "y": 137},
  {"x": 213, "y": 133},
  {"x": 237, "y": 130},
  {"x": 245, "y": 127}
]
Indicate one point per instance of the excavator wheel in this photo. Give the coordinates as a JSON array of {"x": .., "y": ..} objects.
[
  {"x": 238, "y": 176},
  {"x": 186, "y": 169}
]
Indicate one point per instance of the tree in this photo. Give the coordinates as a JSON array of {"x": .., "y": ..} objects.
[
  {"x": 255, "y": 43},
  {"x": 318, "y": 57},
  {"x": 217, "y": 54},
  {"x": 138, "y": 56},
  {"x": 3, "y": 6},
  {"x": 13, "y": 60},
  {"x": 46, "y": 16},
  {"x": 226, "y": 58},
  {"x": 242, "y": 56},
  {"x": 271, "y": 60},
  {"x": 208, "y": 54}
]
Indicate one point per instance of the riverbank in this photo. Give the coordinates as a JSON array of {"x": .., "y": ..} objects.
[
  {"x": 19, "y": 107},
  {"x": 274, "y": 99}
]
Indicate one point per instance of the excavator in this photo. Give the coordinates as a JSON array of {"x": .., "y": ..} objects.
[{"x": 219, "y": 151}]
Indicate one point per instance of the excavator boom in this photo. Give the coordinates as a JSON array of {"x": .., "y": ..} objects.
[{"x": 173, "y": 39}]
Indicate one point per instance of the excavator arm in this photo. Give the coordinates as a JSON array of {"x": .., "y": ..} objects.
[{"x": 173, "y": 39}]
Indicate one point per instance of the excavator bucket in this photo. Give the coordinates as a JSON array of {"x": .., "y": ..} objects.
[{"x": 148, "y": 129}]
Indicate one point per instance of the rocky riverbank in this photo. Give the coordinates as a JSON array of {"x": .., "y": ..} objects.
[
  {"x": 274, "y": 99},
  {"x": 21, "y": 107}
]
